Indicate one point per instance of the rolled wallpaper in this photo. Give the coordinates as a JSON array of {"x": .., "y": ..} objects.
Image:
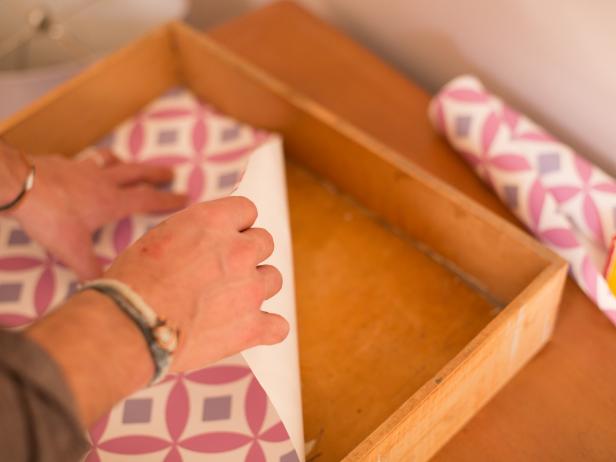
[
  {"x": 243, "y": 408},
  {"x": 568, "y": 203}
]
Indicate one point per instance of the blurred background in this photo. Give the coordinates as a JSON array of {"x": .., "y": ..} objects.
[
  {"x": 43, "y": 42},
  {"x": 553, "y": 59}
]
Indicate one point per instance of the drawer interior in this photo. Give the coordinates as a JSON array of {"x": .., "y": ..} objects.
[
  {"x": 377, "y": 316},
  {"x": 395, "y": 272}
]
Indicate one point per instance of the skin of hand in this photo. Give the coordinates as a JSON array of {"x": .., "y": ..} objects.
[
  {"x": 71, "y": 199},
  {"x": 201, "y": 270}
]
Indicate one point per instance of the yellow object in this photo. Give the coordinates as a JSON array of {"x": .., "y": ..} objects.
[{"x": 610, "y": 267}]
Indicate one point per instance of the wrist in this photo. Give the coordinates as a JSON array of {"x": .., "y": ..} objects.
[
  {"x": 164, "y": 305},
  {"x": 161, "y": 338},
  {"x": 100, "y": 350}
]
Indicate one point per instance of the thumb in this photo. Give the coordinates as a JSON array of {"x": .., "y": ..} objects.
[{"x": 76, "y": 251}]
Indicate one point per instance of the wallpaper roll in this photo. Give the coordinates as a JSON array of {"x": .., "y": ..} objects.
[
  {"x": 565, "y": 201},
  {"x": 243, "y": 408}
]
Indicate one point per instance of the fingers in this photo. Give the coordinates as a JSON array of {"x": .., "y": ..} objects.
[
  {"x": 243, "y": 212},
  {"x": 147, "y": 199},
  {"x": 239, "y": 211},
  {"x": 271, "y": 280},
  {"x": 272, "y": 328},
  {"x": 126, "y": 174},
  {"x": 77, "y": 252},
  {"x": 103, "y": 157},
  {"x": 236, "y": 212},
  {"x": 263, "y": 242},
  {"x": 123, "y": 174}
]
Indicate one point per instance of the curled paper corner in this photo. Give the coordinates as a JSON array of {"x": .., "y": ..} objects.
[
  {"x": 276, "y": 367},
  {"x": 568, "y": 203}
]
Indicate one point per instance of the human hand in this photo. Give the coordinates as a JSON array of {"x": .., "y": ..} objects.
[
  {"x": 71, "y": 199},
  {"x": 200, "y": 270}
]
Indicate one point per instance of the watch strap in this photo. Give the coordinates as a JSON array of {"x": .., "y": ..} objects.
[{"x": 160, "y": 338}]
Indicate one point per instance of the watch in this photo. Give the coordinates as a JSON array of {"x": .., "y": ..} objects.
[{"x": 162, "y": 339}]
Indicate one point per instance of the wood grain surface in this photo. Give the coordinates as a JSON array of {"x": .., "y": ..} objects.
[
  {"x": 388, "y": 350},
  {"x": 562, "y": 405}
]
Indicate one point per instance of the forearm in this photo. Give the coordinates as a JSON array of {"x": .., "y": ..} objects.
[
  {"x": 102, "y": 353},
  {"x": 13, "y": 172}
]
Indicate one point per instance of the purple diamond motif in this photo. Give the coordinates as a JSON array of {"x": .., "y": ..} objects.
[
  {"x": 463, "y": 125},
  {"x": 175, "y": 91},
  {"x": 107, "y": 141},
  {"x": 18, "y": 237},
  {"x": 228, "y": 179},
  {"x": 548, "y": 162},
  {"x": 72, "y": 288},
  {"x": 137, "y": 410},
  {"x": 230, "y": 133},
  {"x": 10, "y": 292},
  {"x": 96, "y": 236},
  {"x": 289, "y": 457},
  {"x": 167, "y": 136},
  {"x": 510, "y": 196},
  {"x": 218, "y": 408}
]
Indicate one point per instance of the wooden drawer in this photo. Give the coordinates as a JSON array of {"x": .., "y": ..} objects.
[{"x": 415, "y": 305}]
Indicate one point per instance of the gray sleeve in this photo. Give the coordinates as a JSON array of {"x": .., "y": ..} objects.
[{"x": 38, "y": 421}]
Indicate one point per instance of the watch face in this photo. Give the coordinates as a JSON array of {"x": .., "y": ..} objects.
[{"x": 166, "y": 337}]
